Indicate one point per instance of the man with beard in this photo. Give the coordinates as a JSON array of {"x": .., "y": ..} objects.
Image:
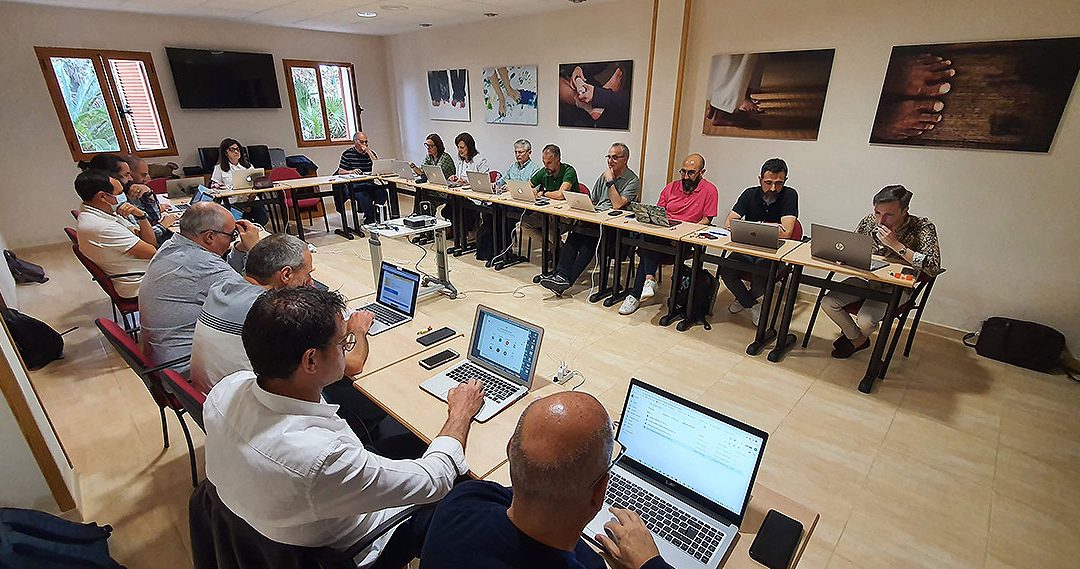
[
  {"x": 769, "y": 202},
  {"x": 691, "y": 199}
]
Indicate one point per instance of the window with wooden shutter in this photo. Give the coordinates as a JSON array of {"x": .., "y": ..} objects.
[
  {"x": 107, "y": 101},
  {"x": 322, "y": 96}
]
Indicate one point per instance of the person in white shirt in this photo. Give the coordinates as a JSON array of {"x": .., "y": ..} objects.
[
  {"x": 469, "y": 158},
  {"x": 121, "y": 248},
  {"x": 233, "y": 156},
  {"x": 285, "y": 463}
]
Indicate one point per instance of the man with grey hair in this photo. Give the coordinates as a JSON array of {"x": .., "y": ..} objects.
[
  {"x": 559, "y": 460},
  {"x": 357, "y": 159},
  {"x": 523, "y": 167},
  {"x": 181, "y": 273},
  {"x": 140, "y": 193}
]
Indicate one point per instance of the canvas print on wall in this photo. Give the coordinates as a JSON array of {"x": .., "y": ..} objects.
[
  {"x": 767, "y": 95},
  {"x": 449, "y": 90},
  {"x": 596, "y": 95},
  {"x": 510, "y": 94},
  {"x": 1001, "y": 95}
]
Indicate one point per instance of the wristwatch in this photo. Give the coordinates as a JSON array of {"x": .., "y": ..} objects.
[
  {"x": 902, "y": 251},
  {"x": 139, "y": 217},
  {"x": 611, "y": 183}
]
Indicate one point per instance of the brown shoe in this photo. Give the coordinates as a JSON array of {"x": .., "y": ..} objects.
[{"x": 847, "y": 349}]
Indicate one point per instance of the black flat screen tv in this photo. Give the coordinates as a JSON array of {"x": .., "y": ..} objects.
[{"x": 211, "y": 79}]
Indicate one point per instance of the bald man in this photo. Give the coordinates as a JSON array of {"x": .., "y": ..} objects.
[
  {"x": 691, "y": 198},
  {"x": 181, "y": 273},
  {"x": 357, "y": 159},
  {"x": 559, "y": 459}
]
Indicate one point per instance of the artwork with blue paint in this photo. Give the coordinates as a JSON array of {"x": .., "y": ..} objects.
[{"x": 510, "y": 95}]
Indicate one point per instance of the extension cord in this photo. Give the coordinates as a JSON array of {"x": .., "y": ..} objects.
[{"x": 563, "y": 374}]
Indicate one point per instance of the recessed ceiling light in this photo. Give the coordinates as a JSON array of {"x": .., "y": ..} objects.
[
  {"x": 425, "y": 25},
  {"x": 491, "y": 14},
  {"x": 366, "y": 14},
  {"x": 393, "y": 7}
]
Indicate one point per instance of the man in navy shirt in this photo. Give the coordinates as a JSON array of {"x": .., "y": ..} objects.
[
  {"x": 771, "y": 202},
  {"x": 559, "y": 459}
]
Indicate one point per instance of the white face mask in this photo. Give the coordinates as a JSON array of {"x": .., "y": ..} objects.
[{"x": 120, "y": 200}]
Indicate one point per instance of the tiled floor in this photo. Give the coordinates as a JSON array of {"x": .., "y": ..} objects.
[{"x": 954, "y": 461}]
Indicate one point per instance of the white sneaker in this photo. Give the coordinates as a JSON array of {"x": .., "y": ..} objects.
[
  {"x": 755, "y": 313},
  {"x": 629, "y": 306},
  {"x": 735, "y": 307},
  {"x": 649, "y": 289}
]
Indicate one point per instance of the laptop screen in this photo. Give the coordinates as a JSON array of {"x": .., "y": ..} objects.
[
  {"x": 398, "y": 288},
  {"x": 505, "y": 343},
  {"x": 712, "y": 455}
]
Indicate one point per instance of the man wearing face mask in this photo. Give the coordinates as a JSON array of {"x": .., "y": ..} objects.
[
  {"x": 107, "y": 237},
  {"x": 692, "y": 199},
  {"x": 181, "y": 273},
  {"x": 772, "y": 201}
]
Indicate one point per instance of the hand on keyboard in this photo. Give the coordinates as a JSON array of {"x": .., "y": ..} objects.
[
  {"x": 627, "y": 542},
  {"x": 360, "y": 322},
  {"x": 466, "y": 399}
]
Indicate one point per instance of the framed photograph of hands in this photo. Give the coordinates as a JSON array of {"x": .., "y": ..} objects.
[
  {"x": 999, "y": 95},
  {"x": 596, "y": 95},
  {"x": 510, "y": 95},
  {"x": 449, "y": 91}
]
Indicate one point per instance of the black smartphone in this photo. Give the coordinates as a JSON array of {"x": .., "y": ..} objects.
[
  {"x": 614, "y": 212},
  {"x": 776, "y": 540},
  {"x": 432, "y": 362},
  {"x": 631, "y": 216},
  {"x": 435, "y": 336}
]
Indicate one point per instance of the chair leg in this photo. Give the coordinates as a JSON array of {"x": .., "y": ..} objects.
[
  {"x": 895, "y": 340},
  {"x": 190, "y": 448},
  {"x": 813, "y": 317},
  {"x": 164, "y": 427},
  {"x": 325, "y": 218},
  {"x": 914, "y": 327}
]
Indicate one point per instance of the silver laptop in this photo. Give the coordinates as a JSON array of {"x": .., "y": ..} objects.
[
  {"x": 582, "y": 201},
  {"x": 382, "y": 167},
  {"x": 843, "y": 247},
  {"x": 502, "y": 354},
  {"x": 480, "y": 182},
  {"x": 652, "y": 214},
  {"x": 686, "y": 470},
  {"x": 435, "y": 176},
  {"x": 521, "y": 191},
  {"x": 755, "y": 233},
  {"x": 244, "y": 178},
  {"x": 395, "y": 301}
]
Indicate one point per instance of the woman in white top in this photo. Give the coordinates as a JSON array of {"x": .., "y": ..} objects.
[
  {"x": 233, "y": 156},
  {"x": 470, "y": 158}
]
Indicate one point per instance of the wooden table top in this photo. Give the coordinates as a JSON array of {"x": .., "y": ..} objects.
[
  {"x": 563, "y": 209},
  {"x": 398, "y": 343},
  {"x": 801, "y": 256},
  {"x": 676, "y": 233},
  {"x": 725, "y": 243}
]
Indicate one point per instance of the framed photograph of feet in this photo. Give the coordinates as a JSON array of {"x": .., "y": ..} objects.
[
  {"x": 1000, "y": 95},
  {"x": 779, "y": 95},
  {"x": 596, "y": 95},
  {"x": 510, "y": 95},
  {"x": 449, "y": 91}
]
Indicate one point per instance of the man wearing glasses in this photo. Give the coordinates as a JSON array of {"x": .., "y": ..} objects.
[
  {"x": 614, "y": 189},
  {"x": 181, "y": 273},
  {"x": 692, "y": 199},
  {"x": 357, "y": 159},
  {"x": 560, "y": 455},
  {"x": 770, "y": 202},
  {"x": 280, "y": 458}
]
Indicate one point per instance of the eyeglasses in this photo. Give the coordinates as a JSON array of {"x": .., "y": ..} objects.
[
  {"x": 235, "y": 233},
  {"x": 773, "y": 183},
  {"x": 520, "y": 151},
  {"x": 618, "y": 455},
  {"x": 690, "y": 173},
  {"x": 364, "y": 142},
  {"x": 233, "y": 149},
  {"x": 429, "y": 145},
  {"x": 612, "y": 158},
  {"x": 348, "y": 342}
]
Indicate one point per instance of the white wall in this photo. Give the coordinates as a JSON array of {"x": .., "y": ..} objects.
[
  {"x": 1006, "y": 219},
  {"x": 37, "y": 165},
  {"x": 567, "y": 36}
]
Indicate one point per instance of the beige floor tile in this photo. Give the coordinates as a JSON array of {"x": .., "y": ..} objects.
[
  {"x": 1039, "y": 485},
  {"x": 1021, "y": 536},
  {"x": 942, "y": 447}
]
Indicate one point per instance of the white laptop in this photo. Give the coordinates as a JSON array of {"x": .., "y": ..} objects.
[
  {"x": 435, "y": 176},
  {"x": 395, "y": 301},
  {"x": 244, "y": 178},
  {"x": 755, "y": 233},
  {"x": 686, "y": 470},
  {"x": 843, "y": 247},
  {"x": 403, "y": 170},
  {"x": 382, "y": 167},
  {"x": 521, "y": 191},
  {"x": 480, "y": 182},
  {"x": 583, "y": 202},
  {"x": 502, "y": 354}
]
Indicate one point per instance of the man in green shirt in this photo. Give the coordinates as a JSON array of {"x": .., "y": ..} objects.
[{"x": 555, "y": 177}]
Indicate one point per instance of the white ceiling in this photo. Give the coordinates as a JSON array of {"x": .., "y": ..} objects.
[{"x": 333, "y": 15}]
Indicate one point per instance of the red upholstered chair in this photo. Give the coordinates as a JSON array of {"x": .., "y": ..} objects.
[
  {"x": 75, "y": 213},
  {"x": 127, "y": 307},
  {"x": 158, "y": 185},
  {"x": 582, "y": 188},
  {"x": 495, "y": 175},
  {"x": 303, "y": 204},
  {"x": 155, "y": 379}
]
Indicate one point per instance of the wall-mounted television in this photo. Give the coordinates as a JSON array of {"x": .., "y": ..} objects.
[{"x": 212, "y": 79}]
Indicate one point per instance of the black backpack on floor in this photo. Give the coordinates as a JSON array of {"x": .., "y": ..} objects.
[
  {"x": 1026, "y": 344},
  {"x": 24, "y": 271},
  {"x": 30, "y": 539},
  {"x": 704, "y": 295},
  {"x": 37, "y": 342}
]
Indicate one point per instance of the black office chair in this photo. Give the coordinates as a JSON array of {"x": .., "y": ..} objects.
[
  {"x": 208, "y": 158},
  {"x": 222, "y": 540},
  {"x": 259, "y": 155}
]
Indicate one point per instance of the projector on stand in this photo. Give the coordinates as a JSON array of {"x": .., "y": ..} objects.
[{"x": 418, "y": 221}]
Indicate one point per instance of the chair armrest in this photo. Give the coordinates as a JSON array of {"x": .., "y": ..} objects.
[
  {"x": 359, "y": 547},
  {"x": 167, "y": 364}
]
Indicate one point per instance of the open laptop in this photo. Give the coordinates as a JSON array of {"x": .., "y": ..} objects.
[
  {"x": 755, "y": 233},
  {"x": 202, "y": 194},
  {"x": 843, "y": 247},
  {"x": 480, "y": 182},
  {"x": 583, "y": 202},
  {"x": 382, "y": 167},
  {"x": 652, "y": 214},
  {"x": 521, "y": 191},
  {"x": 502, "y": 354},
  {"x": 686, "y": 470},
  {"x": 435, "y": 176},
  {"x": 243, "y": 179},
  {"x": 395, "y": 300}
]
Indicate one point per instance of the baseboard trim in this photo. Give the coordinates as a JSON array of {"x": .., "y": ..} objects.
[{"x": 925, "y": 326}]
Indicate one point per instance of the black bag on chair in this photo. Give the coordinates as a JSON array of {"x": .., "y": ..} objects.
[
  {"x": 1026, "y": 344},
  {"x": 704, "y": 295}
]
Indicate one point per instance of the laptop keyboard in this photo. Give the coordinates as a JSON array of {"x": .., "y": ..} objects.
[
  {"x": 683, "y": 530},
  {"x": 495, "y": 388},
  {"x": 385, "y": 315}
]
